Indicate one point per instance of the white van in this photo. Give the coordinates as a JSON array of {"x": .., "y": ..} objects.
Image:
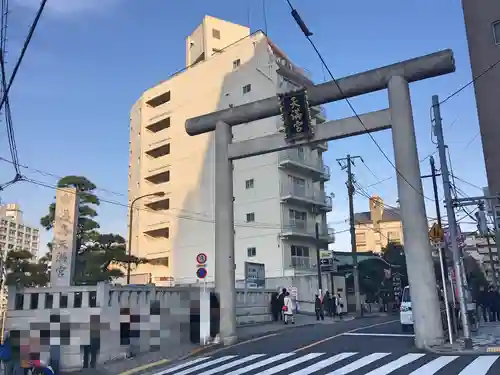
[{"x": 405, "y": 311}]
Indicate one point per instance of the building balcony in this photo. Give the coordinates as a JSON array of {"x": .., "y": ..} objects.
[
  {"x": 158, "y": 230},
  {"x": 306, "y": 230},
  {"x": 299, "y": 162},
  {"x": 158, "y": 175},
  {"x": 299, "y": 195}
]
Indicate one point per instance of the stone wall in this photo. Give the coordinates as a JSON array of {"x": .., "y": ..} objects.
[{"x": 160, "y": 314}]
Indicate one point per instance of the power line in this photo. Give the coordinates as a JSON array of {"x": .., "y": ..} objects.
[
  {"x": 308, "y": 35},
  {"x": 470, "y": 82},
  {"x": 50, "y": 174},
  {"x": 23, "y": 51},
  {"x": 256, "y": 225}
]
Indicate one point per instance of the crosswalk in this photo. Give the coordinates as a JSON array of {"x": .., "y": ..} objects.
[{"x": 338, "y": 364}]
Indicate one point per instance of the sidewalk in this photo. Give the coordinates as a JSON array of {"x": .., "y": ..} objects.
[
  {"x": 485, "y": 340},
  {"x": 152, "y": 359}
]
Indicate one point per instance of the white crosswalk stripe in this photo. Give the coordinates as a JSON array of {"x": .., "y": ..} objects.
[{"x": 338, "y": 364}]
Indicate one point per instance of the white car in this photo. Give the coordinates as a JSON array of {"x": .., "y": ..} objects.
[{"x": 405, "y": 311}]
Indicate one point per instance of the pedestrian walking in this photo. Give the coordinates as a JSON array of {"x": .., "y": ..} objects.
[
  {"x": 483, "y": 303},
  {"x": 318, "y": 308},
  {"x": 91, "y": 351},
  {"x": 327, "y": 303},
  {"x": 288, "y": 309},
  {"x": 339, "y": 303},
  {"x": 281, "y": 302},
  {"x": 275, "y": 306}
]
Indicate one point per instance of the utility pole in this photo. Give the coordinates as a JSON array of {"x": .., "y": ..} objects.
[
  {"x": 318, "y": 260},
  {"x": 438, "y": 131},
  {"x": 438, "y": 209},
  {"x": 346, "y": 164},
  {"x": 442, "y": 253}
]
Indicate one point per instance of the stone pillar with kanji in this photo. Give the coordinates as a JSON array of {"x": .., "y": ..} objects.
[{"x": 64, "y": 242}]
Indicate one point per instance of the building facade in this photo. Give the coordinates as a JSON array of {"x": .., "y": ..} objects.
[
  {"x": 14, "y": 233},
  {"x": 482, "y": 23},
  {"x": 477, "y": 247},
  {"x": 377, "y": 227},
  {"x": 278, "y": 197}
]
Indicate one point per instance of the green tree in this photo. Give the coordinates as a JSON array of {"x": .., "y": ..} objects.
[
  {"x": 371, "y": 277},
  {"x": 100, "y": 255},
  {"x": 23, "y": 270}
]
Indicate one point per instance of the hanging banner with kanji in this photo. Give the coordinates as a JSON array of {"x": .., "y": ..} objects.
[{"x": 294, "y": 108}]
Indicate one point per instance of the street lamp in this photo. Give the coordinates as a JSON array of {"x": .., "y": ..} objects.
[{"x": 131, "y": 217}]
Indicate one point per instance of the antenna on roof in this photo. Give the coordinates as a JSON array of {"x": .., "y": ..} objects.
[{"x": 265, "y": 15}]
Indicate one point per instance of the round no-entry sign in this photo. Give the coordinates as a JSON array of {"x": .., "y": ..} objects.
[
  {"x": 201, "y": 273},
  {"x": 201, "y": 258}
]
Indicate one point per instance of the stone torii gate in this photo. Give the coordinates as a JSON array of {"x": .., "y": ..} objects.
[{"x": 399, "y": 117}]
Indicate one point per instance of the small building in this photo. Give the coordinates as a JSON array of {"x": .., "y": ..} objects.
[{"x": 377, "y": 227}]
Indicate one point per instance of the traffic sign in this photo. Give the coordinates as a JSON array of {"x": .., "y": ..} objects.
[
  {"x": 201, "y": 258},
  {"x": 436, "y": 233},
  {"x": 201, "y": 273}
]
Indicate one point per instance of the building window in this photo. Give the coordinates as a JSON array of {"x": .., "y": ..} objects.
[
  {"x": 360, "y": 238},
  {"x": 252, "y": 252},
  {"x": 393, "y": 237},
  {"x": 300, "y": 256},
  {"x": 496, "y": 32},
  {"x": 216, "y": 33},
  {"x": 298, "y": 219},
  {"x": 249, "y": 184},
  {"x": 250, "y": 217},
  {"x": 247, "y": 89},
  {"x": 236, "y": 63}
]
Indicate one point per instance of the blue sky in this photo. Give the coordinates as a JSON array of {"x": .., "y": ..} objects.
[{"x": 91, "y": 59}]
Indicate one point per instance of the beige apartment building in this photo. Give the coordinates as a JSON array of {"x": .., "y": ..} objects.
[
  {"x": 482, "y": 21},
  {"x": 278, "y": 197},
  {"x": 14, "y": 233},
  {"x": 377, "y": 227}
]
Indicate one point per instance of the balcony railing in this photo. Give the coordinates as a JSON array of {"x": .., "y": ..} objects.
[
  {"x": 305, "y": 228},
  {"x": 302, "y": 194},
  {"x": 314, "y": 165},
  {"x": 327, "y": 233}
]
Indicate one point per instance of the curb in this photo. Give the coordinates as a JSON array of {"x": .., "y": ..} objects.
[{"x": 493, "y": 350}]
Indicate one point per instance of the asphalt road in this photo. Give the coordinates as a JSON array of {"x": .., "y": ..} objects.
[{"x": 371, "y": 346}]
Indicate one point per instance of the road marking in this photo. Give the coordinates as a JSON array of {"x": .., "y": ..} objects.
[
  {"x": 260, "y": 364},
  {"x": 398, "y": 363},
  {"x": 378, "y": 334},
  {"x": 434, "y": 366},
  {"x": 324, "y": 363},
  {"x": 180, "y": 367},
  {"x": 232, "y": 364},
  {"x": 356, "y": 365},
  {"x": 343, "y": 333},
  {"x": 290, "y": 364},
  {"x": 144, "y": 367},
  {"x": 196, "y": 368},
  {"x": 480, "y": 365}
]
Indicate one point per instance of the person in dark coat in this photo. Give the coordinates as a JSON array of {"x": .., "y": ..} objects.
[
  {"x": 275, "y": 308},
  {"x": 492, "y": 296},
  {"x": 483, "y": 303},
  {"x": 327, "y": 303},
  {"x": 318, "y": 308}
]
